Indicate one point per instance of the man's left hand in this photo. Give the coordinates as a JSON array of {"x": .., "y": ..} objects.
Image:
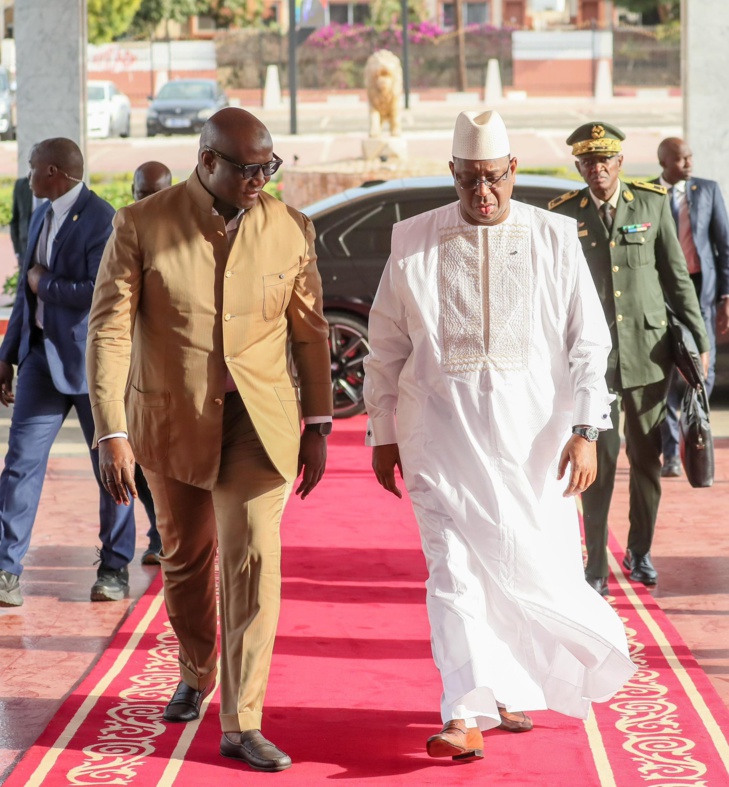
[
  {"x": 35, "y": 274},
  {"x": 313, "y": 460},
  {"x": 722, "y": 316},
  {"x": 582, "y": 458}
]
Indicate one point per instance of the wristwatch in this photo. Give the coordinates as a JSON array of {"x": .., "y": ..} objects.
[
  {"x": 322, "y": 429},
  {"x": 590, "y": 433}
]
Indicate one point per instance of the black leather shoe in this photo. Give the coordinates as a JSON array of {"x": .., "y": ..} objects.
[
  {"x": 671, "y": 467},
  {"x": 254, "y": 750},
  {"x": 185, "y": 703},
  {"x": 597, "y": 583},
  {"x": 112, "y": 584},
  {"x": 628, "y": 560},
  {"x": 641, "y": 568}
]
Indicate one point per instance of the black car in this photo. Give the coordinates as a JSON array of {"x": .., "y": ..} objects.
[
  {"x": 183, "y": 105},
  {"x": 353, "y": 232}
]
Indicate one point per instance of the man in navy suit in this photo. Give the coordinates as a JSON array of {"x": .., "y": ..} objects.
[
  {"x": 703, "y": 231},
  {"x": 46, "y": 339}
]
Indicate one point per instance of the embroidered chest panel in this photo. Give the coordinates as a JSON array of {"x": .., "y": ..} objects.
[{"x": 485, "y": 283}]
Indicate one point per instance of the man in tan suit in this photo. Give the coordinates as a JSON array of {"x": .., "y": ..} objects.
[{"x": 201, "y": 287}]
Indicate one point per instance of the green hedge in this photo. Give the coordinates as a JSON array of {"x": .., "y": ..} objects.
[{"x": 116, "y": 190}]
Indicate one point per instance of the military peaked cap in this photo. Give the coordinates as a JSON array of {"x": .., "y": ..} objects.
[{"x": 596, "y": 137}]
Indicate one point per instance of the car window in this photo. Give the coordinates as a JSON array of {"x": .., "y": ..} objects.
[
  {"x": 186, "y": 91},
  {"x": 414, "y": 207},
  {"x": 540, "y": 198},
  {"x": 96, "y": 93},
  {"x": 370, "y": 232}
]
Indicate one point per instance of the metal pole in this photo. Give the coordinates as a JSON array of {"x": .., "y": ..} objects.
[
  {"x": 292, "y": 66},
  {"x": 405, "y": 54},
  {"x": 461, "y": 39}
]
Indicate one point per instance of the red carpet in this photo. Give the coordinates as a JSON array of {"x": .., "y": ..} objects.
[{"x": 353, "y": 692}]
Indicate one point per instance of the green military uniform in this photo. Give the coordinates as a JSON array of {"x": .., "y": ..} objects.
[{"x": 637, "y": 265}]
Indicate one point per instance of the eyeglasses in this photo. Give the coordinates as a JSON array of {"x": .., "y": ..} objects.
[
  {"x": 248, "y": 171},
  {"x": 471, "y": 184}
]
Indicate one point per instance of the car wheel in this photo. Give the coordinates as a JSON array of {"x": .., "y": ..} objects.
[
  {"x": 348, "y": 345},
  {"x": 127, "y": 128}
]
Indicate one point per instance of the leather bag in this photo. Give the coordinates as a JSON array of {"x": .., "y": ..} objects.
[
  {"x": 696, "y": 444},
  {"x": 686, "y": 354}
]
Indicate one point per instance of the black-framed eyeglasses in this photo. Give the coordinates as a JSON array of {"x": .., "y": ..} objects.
[
  {"x": 248, "y": 171},
  {"x": 471, "y": 183}
]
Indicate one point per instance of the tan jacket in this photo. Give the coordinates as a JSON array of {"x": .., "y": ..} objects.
[{"x": 173, "y": 310}]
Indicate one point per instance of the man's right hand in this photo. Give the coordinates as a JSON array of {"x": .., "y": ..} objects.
[
  {"x": 6, "y": 383},
  {"x": 384, "y": 460},
  {"x": 116, "y": 465}
]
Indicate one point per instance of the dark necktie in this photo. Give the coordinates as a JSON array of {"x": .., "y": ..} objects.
[
  {"x": 42, "y": 251},
  {"x": 41, "y": 257},
  {"x": 673, "y": 199},
  {"x": 606, "y": 213}
]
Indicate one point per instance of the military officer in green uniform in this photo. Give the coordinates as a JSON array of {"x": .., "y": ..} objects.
[{"x": 629, "y": 239}]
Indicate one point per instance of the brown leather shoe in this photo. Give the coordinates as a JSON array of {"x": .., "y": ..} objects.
[
  {"x": 185, "y": 703},
  {"x": 515, "y": 722},
  {"x": 254, "y": 750},
  {"x": 457, "y": 741}
]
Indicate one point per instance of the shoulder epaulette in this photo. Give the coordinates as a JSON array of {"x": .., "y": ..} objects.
[
  {"x": 656, "y": 187},
  {"x": 557, "y": 201}
]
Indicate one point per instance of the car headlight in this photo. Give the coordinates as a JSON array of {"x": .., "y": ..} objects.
[
  {"x": 152, "y": 114},
  {"x": 204, "y": 114}
]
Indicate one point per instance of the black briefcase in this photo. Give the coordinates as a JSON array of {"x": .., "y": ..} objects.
[
  {"x": 686, "y": 354},
  {"x": 696, "y": 444}
]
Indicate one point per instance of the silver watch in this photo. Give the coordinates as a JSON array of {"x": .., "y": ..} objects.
[{"x": 590, "y": 433}]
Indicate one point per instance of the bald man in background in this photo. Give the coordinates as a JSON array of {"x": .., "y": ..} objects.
[
  {"x": 149, "y": 178},
  {"x": 703, "y": 232}
]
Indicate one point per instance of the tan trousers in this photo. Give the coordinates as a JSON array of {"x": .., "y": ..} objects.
[{"x": 241, "y": 517}]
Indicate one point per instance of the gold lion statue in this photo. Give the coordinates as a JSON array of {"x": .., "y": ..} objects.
[{"x": 383, "y": 80}]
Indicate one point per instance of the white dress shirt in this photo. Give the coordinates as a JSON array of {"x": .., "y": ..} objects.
[{"x": 61, "y": 208}]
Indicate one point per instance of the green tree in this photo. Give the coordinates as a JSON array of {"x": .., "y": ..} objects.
[
  {"x": 387, "y": 13},
  {"x": 235, "y": 13},
  {"x": 663, "y": 10},
  {"x": 109, "y": 19},
  {"x": 151, "y": 13}
]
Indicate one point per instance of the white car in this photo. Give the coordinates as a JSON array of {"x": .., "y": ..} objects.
[{"x": 109, "y": 111}]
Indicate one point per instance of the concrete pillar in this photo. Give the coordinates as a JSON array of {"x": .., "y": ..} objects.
[
  {"x": 497, "y": 12},
  {"x": 704, "y": 36},
  {"x": 493, "y": 92},
  {"x": 603, "y": 80},
  {"x": 272, "y": 88},
  {"x": 50, "y": 40}
]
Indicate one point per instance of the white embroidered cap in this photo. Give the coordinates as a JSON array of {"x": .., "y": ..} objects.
[{"x": 480, "y": 136}]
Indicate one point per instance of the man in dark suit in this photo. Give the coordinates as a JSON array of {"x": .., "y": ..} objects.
[
  {"x": 149, "y": 178},
  {"x": 46, "y": 339},
  {"x": 629, "y": 239},
  {"x": 703, "y": 232},
  {"x": 20, "y": 219}
]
